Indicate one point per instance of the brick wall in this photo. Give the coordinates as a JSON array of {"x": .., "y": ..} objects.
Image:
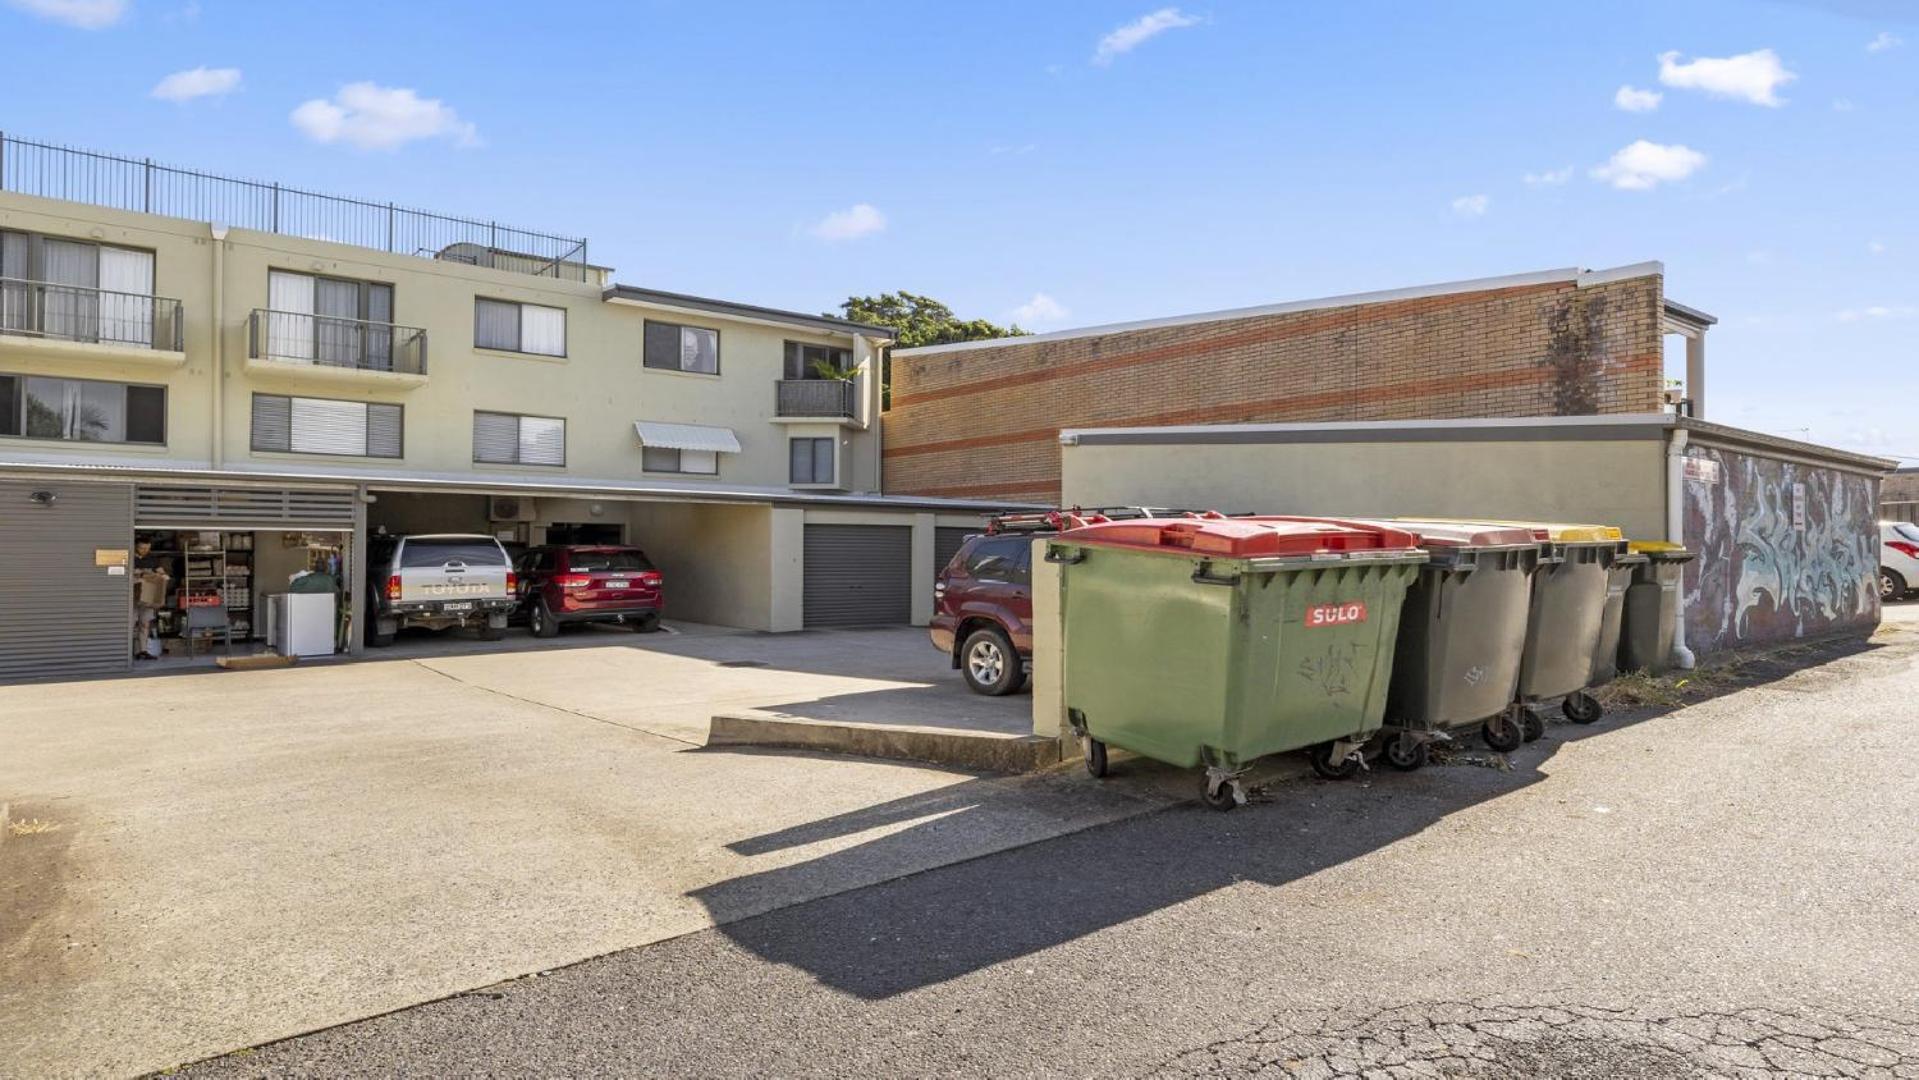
[{"x": 985, "y": 422}]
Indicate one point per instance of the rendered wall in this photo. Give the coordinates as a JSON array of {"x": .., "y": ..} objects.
[
  {"x": 1610, "y": 482},
  {"x": 717, "y": 559},
  {"x": 1786, "y": 550}
]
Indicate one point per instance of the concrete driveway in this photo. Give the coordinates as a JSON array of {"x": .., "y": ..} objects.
[{"x": 206, "y": 861}]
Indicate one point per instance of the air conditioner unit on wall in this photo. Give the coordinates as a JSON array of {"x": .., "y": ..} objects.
[{"x": 509, "y": 508}]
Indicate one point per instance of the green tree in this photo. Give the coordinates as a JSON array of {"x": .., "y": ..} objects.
[{"x": 917, "y": 320}]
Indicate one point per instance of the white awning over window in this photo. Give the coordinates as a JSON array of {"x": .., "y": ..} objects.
[{"x": 717, "y": 440}]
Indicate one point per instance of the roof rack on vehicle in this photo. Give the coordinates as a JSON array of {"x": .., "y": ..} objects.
[{"x": 1076, "y": 516}]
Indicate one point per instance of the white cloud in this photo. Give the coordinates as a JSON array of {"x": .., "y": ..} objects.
[
  {"x": 197, "y": 83},
  {"x": 860, "y": 219},
  {"x": 1645, "y": 165},
  {"x": 85, "y": 14},
  {"x": 1755, "y": 76},
  {"x": 1011, "y": 148},
  {"x": 374, "y": 117},
  {"x": 1842, "y": 105},
  {"x": 1472, "y": 205},
  {"x": 1041, "y": 310},
  {"x": 1879, "y": 311},
  {"x": 1633, "y": 99},
  {"x": 1886, "y": 40},
  {"x": 1549, "y": 178},
  {"x": 1138, "y": 32},
  {"x": 1875, "y": 247}
]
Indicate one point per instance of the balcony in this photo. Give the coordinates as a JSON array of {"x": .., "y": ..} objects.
[
  {"x": 294, "y": 345},
  {"x": 816, "y": 399},
  {"x": 75, "y": 321}
]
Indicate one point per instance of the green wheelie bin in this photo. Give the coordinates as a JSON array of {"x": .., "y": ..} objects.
[
  {"x": 1652, "y": 603},
  {"x": 1625, "y": 570},
  {"x": 1214, "y": 641}
]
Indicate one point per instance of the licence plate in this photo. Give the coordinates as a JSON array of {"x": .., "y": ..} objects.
[
  {"x": 464, "y": 605},
  {"x": 615, "y": 583}
]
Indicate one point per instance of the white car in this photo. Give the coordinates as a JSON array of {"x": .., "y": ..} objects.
[{"x": 1898, "y": 559}]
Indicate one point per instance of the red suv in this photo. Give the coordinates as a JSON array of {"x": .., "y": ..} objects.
[
  {"x": 983, "y": 611},
  {"x": 581, "y": 583}
]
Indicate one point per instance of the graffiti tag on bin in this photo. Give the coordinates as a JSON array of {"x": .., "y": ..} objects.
[{"x": 1352, "y": 611}]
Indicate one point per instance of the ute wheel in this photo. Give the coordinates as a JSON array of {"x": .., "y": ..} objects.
[
  {"x": 1096, "y": 759},
  {"x": 1582, "y": 708},
  {"x": 379, "y": 640},
  {"x": 1224, "y": 799},
  {"x": 648, "y": 624},
  {"x": 541, "y": 621},
  {"x": 989, "y": 663},
  {"x": 1406, "y": 754},
  {"x": 1892, "y": 585},
  {"x": 1325, "y": 766},
  {"x": 490, "y": 632},
  {"x": 1503, "y": 733},
  {"x": 1531, "y": 724}
]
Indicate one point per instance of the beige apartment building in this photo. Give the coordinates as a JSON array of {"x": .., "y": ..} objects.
[{"x": 187, "y": 356}]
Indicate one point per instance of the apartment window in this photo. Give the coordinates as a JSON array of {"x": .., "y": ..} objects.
[
  {"x": 303, "y": 425},
  {"x": 522, "y": 328},
  {"x": 671, "y": 347},
  {"x": 333, "y": 321},
  {"x": 82, "y": 410},
  {"x": 510, "y": 439},
  {"x": 667, "y": 460},
  {"x": 805, "y": 361},
  {"x": 74, "y": 290},
  {"x": 812, "y": 461}
]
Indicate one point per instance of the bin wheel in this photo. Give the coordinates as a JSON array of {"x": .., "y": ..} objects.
[
  {"x": 1582, "y": 708},
  {"x": 1224, "y": 799},
  {"x": 1096, "y": 759},
  {"x": 1407, "y": 754},
  {"x": 1325, "y": 766},
  {"x": 1502, "y": 733},
  {"x": 1531, "y": 724}
]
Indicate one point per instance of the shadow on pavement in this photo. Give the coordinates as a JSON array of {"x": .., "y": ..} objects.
[{"x": 930, "y": 927}]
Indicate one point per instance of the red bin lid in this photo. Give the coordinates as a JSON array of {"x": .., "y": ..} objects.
[{"x": 1244, "y": 538}]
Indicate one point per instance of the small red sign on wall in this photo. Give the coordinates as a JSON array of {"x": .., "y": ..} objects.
[{"x": 1352, "y": 611}]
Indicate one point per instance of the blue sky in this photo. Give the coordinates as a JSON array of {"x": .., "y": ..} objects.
[{"x": 1071, "y": 164}]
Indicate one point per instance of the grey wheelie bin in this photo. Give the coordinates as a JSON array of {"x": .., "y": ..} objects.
[
  {"x": 1462, "y": 633},
  {"x": 1652, "y": 603},
  {"x": 1213, "y": 641},
  {"x": 1625, "y": 569}
]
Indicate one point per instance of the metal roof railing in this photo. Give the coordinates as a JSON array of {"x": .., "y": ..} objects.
[{"x": 142, "y": 185}]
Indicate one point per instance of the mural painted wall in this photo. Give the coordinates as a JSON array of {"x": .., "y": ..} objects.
[{"x": 1786, "y": 550}]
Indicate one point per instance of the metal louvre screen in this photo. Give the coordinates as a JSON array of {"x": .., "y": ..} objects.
[
  {"x": 858, "y": 575},
  {"x": 542, "y": 441},
  {"x": 496, "y": 437},
  {"x": 272, "y": 422},
  {"x": 323, "y": 426},
  {"x": 385, "y": 431},
  {"x": 507, "y": 439},
  {"x": 181, "y": 507}
]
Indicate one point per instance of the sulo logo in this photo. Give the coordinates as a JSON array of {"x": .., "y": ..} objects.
[{"x": 1352, "y": 611}]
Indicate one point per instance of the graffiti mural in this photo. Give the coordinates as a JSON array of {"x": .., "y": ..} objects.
[{"x": 1785, "y": 550}]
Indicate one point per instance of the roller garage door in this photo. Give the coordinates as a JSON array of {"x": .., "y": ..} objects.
[
  {"x": 858, "y": 575},
  {"x": 64, "y": 614},
  {"x": 946, "y": 543}
]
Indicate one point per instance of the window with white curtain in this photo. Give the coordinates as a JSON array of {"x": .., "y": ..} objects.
[
  {"x": 511, "y": 439},
  {"x": 671, "y": 347},
  {"x": 523, "y": 328},
  {"x": 303, "y": 425}
]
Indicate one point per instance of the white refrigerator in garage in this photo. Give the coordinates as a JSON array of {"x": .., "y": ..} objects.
[{"x": 300, "y": 624}]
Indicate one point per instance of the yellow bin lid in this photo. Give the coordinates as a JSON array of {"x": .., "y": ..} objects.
[
  {"x": 1558, "y": 532},
  {"x": 1654, "y": 547}
]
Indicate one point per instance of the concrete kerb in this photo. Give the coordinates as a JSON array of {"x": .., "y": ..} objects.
[{"x": 974, "y": 750}]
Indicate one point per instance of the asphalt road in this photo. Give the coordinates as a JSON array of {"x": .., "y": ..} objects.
[{"x": 1727, "y": 889}]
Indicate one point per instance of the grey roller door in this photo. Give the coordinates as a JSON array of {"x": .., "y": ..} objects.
[
  {"x": 946, "y": 544},
  {"x": 62, "y": 614},
  {"x": 858, "y": 575}
]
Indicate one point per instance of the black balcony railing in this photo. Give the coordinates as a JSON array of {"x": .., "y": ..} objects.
[
  {"x": 122, "y": 183},
  {"x": 329, "y": 341},
  {"x": 815, "y": 397},
  {"x": 95, "y": 316}
]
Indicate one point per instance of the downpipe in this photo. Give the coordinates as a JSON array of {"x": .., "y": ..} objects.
[
  {"x": 219, "y": 344},
  {"x": 1682, "y": 657}
]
